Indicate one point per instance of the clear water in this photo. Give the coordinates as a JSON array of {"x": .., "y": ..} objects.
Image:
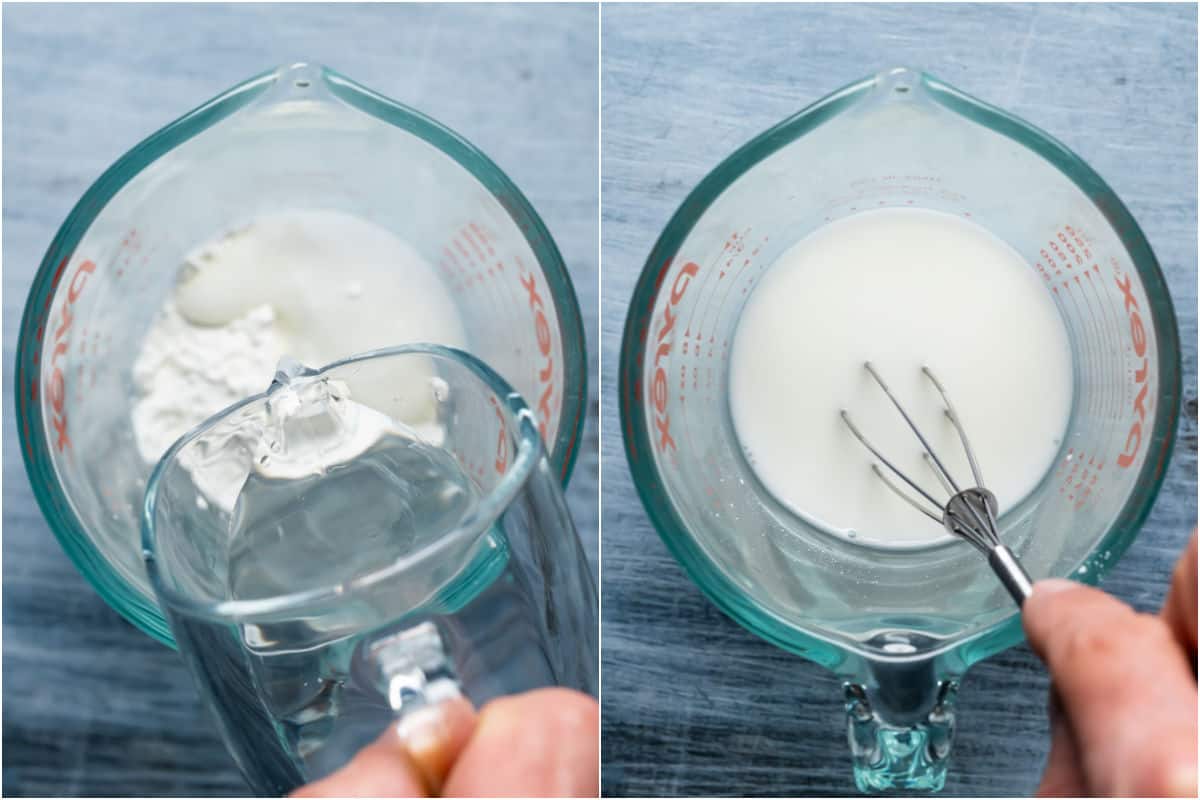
[
  {"x": 306, "y": 692},
  {"x": 316, "y": 492},
  {"x": 322, "y": 529}
]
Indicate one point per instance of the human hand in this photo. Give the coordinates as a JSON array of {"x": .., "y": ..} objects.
[
  {"x": 543, "y": 743},
  {"x": 1123, "y": 698}
]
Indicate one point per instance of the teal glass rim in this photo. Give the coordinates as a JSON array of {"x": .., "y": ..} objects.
[
  {"x": 647, "y": 477},
  {"x": 137, "y": 608},
  {"x": 478, "y": 520}
]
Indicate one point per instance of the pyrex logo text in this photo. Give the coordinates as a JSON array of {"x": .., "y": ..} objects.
[
  {"x": 55, "y": 385},
  {"x": 659, "y": 391},
  {"x": 1137, "y": 333},
  {"x": 542, "y": 330}
]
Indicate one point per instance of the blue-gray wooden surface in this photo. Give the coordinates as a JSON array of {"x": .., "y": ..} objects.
[
  {"x": 693, "y": 704},
  {"x": 92, "y": 706}
]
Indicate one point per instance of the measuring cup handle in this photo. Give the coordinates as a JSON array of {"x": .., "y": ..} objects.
[
  {"x": 907, "y": 752},
  {"x": 411, "y": 668}
]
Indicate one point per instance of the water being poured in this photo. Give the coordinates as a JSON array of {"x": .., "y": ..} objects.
[
  {"x": 324, "y": 493},
  {"x": 345, "y": 519},
  {"x": 338, "y": 491}
]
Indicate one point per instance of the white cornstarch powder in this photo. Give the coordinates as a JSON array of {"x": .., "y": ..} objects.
[
  {"x": 185, "y": 373},
  {"x": 317, "y": 286}
]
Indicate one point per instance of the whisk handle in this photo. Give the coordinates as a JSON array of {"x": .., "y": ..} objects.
[{"x": 1010, "y": 572}]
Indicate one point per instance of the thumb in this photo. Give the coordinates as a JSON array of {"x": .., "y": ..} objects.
[
  {"x": 544, "y": 743},
  {"x": 1126, "y": 687},
  {"x": 410, "y": 759}
]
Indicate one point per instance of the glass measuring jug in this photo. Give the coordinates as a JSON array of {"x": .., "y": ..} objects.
[
  {"x": 899, "y": 627},
  {"x": 359, "y": 542},
  {"x": 300, "y": 138}
]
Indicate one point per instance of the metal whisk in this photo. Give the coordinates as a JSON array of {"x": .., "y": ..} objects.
[{"x": 970, "y": 513}]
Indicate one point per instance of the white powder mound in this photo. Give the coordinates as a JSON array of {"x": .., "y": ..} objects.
[
  {"x": 317, "y": 286},
  {"x": 185, "y": 373}
]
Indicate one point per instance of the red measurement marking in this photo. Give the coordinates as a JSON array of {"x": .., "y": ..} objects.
[
  {"x": 58, "y": 273},
  {"x": 469, "y": 236},
  {"x": 1137, "y": 333},
  {"x": 483, "y": 236},
  {"x": 56, "y": 384}
]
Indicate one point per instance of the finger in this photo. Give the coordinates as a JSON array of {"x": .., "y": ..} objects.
[
  {"x": 544, "y": 743},
  {"x": 1179, "y": 609},
  {"x": 1061, "y": 777},
  {"x": 409, "y": 759},
  {"x": 435, "y": 736},
  {"x": 1126, "y": 688}
]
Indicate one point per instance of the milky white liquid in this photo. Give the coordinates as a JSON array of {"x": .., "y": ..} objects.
[{"x": 902, "y": 288}]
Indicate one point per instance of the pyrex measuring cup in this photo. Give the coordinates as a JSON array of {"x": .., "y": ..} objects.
[
  {"x": 899, "y": 627},
  {"x": 346, "y": 549},
  {"x": 298, "y": 138}
]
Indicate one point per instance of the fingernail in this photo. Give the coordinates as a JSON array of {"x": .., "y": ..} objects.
[
  {"x": 1053, "y": 586},
  {"x": 434, "y": 735},
  {"x": 423, "y": 730}
]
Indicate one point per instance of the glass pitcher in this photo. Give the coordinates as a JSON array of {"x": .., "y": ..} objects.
[
  {"x": 361, "y": 542},
  {"x": 899, "y": 627}
]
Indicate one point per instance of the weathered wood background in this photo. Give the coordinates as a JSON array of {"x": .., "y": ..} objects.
[
  {"x": 92, "y": 706},
  {"x": 692, "y": 703}
]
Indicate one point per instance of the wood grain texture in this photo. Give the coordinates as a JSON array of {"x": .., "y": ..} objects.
[
  {"x": 692, "y": 703},
  {"x": 91, "y": 705}
]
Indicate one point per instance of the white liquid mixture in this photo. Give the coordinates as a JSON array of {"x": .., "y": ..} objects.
[
  {"x": 901, "y": 288},
  {"x": 315, "y": 285}
]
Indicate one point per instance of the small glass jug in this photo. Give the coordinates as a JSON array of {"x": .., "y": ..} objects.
[{"x": 360, "y": 542}]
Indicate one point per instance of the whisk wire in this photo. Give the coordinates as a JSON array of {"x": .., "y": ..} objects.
[
  {"x": 952, "y": 415},
  {"x": 969, "y": 513},
  {"x": 903, "y": 496},
  {"x": 937, "y": 473},
  {"x": 912, "y": 425},
  {"x": 895, "y": 470}
]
